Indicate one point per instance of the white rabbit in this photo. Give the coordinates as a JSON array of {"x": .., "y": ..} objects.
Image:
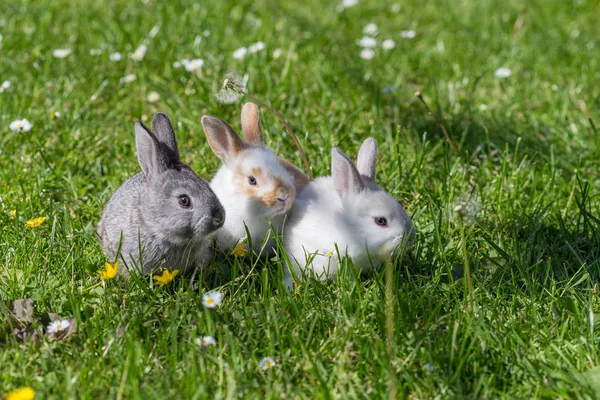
[
  {"x": 253, "y": 184},
  {"x": 164, "y": 215},
  {"x": 347, "y": 212}
]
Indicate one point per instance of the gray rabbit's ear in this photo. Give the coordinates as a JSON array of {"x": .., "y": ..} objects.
[
  {"x": 223, "y": 140},
  {"x": 151, "y": 157},
  {"x": 367, "y": 159},
  {"x": 346, "y": 178},
  {"x": 251, "y": 129},
  {"x": 163, "y": 130}
]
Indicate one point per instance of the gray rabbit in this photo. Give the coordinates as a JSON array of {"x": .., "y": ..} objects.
[{"x": 166, "y": 215}]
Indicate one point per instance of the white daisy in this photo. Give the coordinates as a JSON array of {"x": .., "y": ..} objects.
[
  {"x": 61, "y": 53},
  {"x": 177, "y": 64},
  {"x": 370, "y": 29},
  {"x": 367, "y": 54},
  {"x": 21, "y": 125},
  {"x": 114, "y": 57},
  {"x": 5, "y": 85},
  {"x": 276, "y": 53},
  {"x": 57, "y": 326},
  {"x": 240, "y": 53},
  {"x": 256, "y": 47},
  {"x": 349, "y": 3},
  {"x": 388, "y": 44},
  {"x": 128, "y": 78},
  {"x": 503, "y": 72},
  {"x": 95, "y": 52},
  {"x": 54, "y": 115},
  {"x": 205, "y": 341},
  {"x": 153, "y": 97},
  {"x": 192, "y": 65},
  {"x": 408, "y": 34},
  {"x": 212, "y": 299},
  {"x": 266, "y": 363},
  {"x": 367, "y": 41},
  {"x": 139, "y": 53}
]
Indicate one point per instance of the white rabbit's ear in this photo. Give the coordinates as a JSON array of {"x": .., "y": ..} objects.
[
  {"x": 367, "y": 158},
  {"x": 153, "y": 160},
  {"x": 163, "y": 131},
  {"x": 345, "y": 175},
  {"x": 223, "y": 140},
  {"x": 251, "y": 129}
]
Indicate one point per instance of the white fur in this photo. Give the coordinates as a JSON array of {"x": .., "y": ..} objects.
[
  {"x": 324, "y": 221},
  {"x": 243, "y": 211}
]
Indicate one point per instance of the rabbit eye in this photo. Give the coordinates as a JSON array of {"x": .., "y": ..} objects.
[
  {"x": 381, "y": 221},
  {"x": 184, "y": 201},
  {"x": 252, "y": 180}
]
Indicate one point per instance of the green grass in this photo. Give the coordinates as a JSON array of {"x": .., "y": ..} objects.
[{"x": 527, "y": 163}]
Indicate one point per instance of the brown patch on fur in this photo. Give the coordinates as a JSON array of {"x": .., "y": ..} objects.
[
  {"x": 281, "y": 189},
  {"x": 300, "y": 178},
  {"x": 240, "y": 182}
]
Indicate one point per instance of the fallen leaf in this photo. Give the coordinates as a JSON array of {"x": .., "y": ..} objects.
[{"x": 21, "y": 311}]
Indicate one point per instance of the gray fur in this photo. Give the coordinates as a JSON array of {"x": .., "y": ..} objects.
[{"x": 143, "y": 217}]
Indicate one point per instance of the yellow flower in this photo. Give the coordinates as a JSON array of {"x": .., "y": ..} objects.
[
  {"x": 239, "y": 250},
  {"x": 34, "y": 223},
  {"x": 109, "y": 271},
  {"x": 24, "y": 393},
  {"x": 166, "y": 277},
  {"x": 13, "y": 213},
  {"x": 330, "y": 254}
]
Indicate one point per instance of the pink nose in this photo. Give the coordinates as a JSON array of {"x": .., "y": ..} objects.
[{"x": 283, "y": 197}]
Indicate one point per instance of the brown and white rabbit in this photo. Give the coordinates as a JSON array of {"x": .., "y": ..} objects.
[{"x": 253, "y": 184}]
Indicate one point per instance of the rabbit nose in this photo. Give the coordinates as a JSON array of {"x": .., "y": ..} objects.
[
  {"x": 218, "y": 216},
  {"x": 283, "y": 197}
]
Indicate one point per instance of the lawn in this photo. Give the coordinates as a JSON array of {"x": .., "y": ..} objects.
[{"x": 514, "y": 83}]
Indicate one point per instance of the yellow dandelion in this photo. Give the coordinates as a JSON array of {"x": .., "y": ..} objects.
[
  {"x": 239, "y": 250},
  {"x": 34, "y": 223},
  {"x": 13, "y": 213},
  {"x": 24, "y": 393},
  {"x": 109, "y": 271},
  {"x": 166, "y": 277}
]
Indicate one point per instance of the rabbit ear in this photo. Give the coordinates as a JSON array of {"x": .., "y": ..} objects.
[
  {"x": 163, "y": 131},
  {"x": 153, "y": 160},
  {"x": 345, "y": 175},
  {"x": 223, "y": 140},
  {"x": 367, "y": 159},
  {"x": 300, "y": 178},
  {"x": 251, "y": 124}
]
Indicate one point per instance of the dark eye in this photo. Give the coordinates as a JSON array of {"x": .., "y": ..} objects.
[
  {"x": 381, "y": 221},
  {"x": 252, "y": 180},
  {"x": 184, "y": 201}
]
